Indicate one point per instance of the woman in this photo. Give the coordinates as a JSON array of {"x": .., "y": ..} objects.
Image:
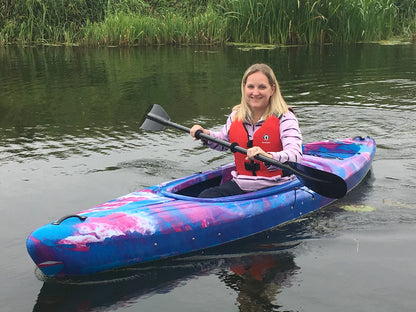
[{"x": 263, "y": 124}]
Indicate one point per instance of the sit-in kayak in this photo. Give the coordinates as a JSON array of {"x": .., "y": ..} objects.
[{"x": 168, "y": 219}]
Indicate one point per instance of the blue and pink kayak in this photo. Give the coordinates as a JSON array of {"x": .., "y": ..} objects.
[{"x": 167, "y": 220}]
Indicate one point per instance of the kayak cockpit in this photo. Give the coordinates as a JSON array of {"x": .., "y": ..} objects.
[{"x": 189, "y": 188}]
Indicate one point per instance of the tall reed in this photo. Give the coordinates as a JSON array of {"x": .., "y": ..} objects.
[
  {"x": 145, "y": 22},
  {"x": 309, "y": 22},
  {"x": 365, "y": 20},
  {"x": 407, "y": 21},
  {"x": 57, "y": 21},
  {"x": 166, "y": 28}
]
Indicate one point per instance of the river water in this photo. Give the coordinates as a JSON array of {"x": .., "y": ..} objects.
[{"x": 70, "y": 139}]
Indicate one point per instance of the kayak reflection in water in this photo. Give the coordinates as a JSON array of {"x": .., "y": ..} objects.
[
  {"x": 264, "y": 124},
  {"x": 258, "y": 281}
]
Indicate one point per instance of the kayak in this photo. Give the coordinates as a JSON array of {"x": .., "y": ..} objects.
[{"x": 168, "y": 219}]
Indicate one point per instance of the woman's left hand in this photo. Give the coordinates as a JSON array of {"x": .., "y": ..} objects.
[{"x": 253, "y": 151}]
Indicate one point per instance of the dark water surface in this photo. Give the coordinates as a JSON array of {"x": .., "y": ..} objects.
[{"x": 70, "y": 139}]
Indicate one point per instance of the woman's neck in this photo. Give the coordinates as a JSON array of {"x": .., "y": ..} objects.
[{"x": 256, "y": 116}]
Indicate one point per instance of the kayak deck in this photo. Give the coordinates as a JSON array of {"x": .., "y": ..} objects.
[
  {"x": 328, "y": 156},
  {"x": 167, "y": 220}
]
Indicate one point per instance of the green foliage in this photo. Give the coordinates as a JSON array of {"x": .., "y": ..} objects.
[
  {"x": 309, "y": 22},
  {"x": 407, "y": 21},
  {"x": 58, "y": 21},
  {"x": 137, "y": 22},
  {"x": 187, "y": 7},
  {"x": 163, "y": 28}
]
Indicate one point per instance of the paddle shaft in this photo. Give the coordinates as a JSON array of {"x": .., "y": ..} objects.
[{"x": 234, "y": 148}]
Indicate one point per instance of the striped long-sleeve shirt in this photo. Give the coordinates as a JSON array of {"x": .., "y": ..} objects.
[{"x": 291, "y": 138}]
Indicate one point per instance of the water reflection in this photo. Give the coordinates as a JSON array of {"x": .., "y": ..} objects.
[
  {"x": 259, "y": 280},
  {"x": 69, "y": 139},
  {"x": 49, "y": 142},
  {"x": 255, "y": 268},
  {"x": 72, "y": 101}
]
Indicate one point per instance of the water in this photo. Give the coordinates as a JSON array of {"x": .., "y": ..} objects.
[{"x": 70, "y": 139}]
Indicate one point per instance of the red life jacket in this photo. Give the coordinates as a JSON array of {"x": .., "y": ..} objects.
[{"x": 267, "y": 137}]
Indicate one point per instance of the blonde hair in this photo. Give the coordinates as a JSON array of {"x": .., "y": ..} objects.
[{"x": 277, "y": 105}]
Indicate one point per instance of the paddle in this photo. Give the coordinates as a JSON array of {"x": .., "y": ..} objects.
[{"x": 322, "y": 182}]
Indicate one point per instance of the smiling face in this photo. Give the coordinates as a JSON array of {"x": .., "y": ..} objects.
[
  {"x": 257, "y": 92},
  {"x": 260, "y": 95}
]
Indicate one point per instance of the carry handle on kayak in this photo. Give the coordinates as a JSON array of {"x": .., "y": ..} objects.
[
  {"x": 322, "y": 182},
  {"x": 60, "y": 220}
]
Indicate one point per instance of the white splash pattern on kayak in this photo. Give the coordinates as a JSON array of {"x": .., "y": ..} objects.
[{"x": 96, "y": 230}]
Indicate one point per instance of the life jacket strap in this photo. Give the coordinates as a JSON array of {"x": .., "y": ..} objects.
[{"x": 252, "y": 166}]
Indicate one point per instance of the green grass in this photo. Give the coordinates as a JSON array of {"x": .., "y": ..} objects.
[
  {"x": 168, "y": 28},
  {"x": 174, "y": 22},
  {"x": 310, "y": 22},
  {"x": 407, "y": 24}
]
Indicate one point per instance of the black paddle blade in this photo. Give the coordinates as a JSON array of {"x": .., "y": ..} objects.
[
  {"x": 322, "y": 182},
  {"x": 151, "y": 125}
]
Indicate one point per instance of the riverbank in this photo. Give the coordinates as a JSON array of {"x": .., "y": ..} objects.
[{"x": 211, "y": 22}]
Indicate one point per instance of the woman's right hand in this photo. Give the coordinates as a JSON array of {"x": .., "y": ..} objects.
[{"x": 195, "y": 128}]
